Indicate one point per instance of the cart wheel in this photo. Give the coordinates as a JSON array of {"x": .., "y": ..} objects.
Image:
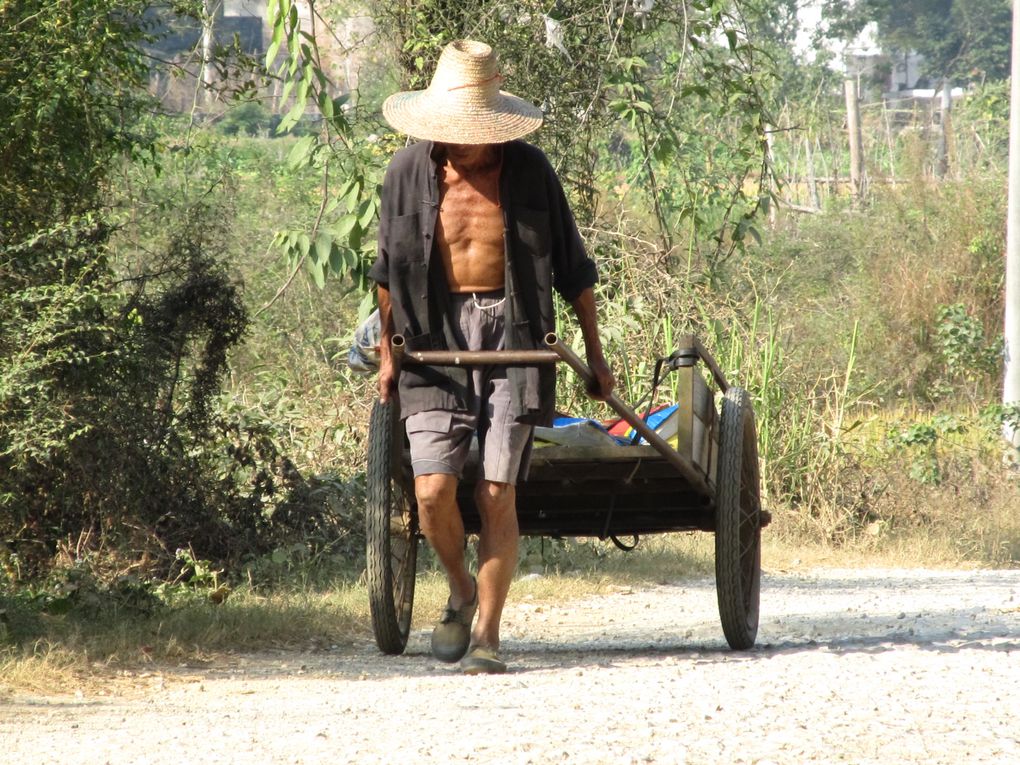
[
  {"x": 738, "y": 522},
  {"x": 391, "y": 535}
]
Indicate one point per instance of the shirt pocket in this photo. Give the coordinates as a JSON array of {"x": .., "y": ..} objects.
[
  {"x": 403, "y": 240},
  {"x": 533, "y": 230}
]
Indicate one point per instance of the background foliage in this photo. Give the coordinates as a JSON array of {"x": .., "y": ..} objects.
[{"x": 177, "y": 290}]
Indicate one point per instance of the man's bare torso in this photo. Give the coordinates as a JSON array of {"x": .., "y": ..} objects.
[{"x": 469, "y": 230}]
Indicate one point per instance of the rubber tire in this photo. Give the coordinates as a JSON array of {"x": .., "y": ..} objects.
[
  {"x": 738, "y": 522},
  {"x": 391, "y": 535}
]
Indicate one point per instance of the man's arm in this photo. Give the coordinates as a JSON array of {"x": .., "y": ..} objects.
[
  {"x": 584, "y": 307},
  {"x": 387, "y": 380}
]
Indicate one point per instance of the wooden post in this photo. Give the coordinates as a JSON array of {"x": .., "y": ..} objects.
[
  {"x": 853, "y": 124},
  {"x": 890, "y": 144},
  {"x": 814, "y": 200}
]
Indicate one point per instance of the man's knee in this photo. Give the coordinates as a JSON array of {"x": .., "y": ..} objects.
[
  {"x": 435, "y": 493},
  {"x": 494, "y": 496}
]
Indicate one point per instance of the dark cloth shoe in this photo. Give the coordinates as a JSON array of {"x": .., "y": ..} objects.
[
  {"x": 481, "y": 660},
  {"x": 452, "y": 635}
]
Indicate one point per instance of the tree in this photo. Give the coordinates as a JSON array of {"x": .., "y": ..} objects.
[
  {"x": 71, "y": 86},
  {"x": 963, "y": 40},
  {"x": 110, "y": 423}
]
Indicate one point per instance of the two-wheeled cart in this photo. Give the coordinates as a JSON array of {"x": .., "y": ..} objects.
[{"x": 705, "y": 478}]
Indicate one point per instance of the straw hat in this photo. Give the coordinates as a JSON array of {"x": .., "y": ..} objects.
[{"x": 463, "y": 103}]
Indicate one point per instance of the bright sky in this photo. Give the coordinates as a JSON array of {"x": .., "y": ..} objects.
[{"x": 811, "y": 16}]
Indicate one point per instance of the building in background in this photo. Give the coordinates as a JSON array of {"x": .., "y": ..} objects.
[{"x": 240, "y": 37}]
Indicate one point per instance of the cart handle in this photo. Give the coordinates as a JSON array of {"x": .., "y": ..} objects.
[{"x": 470, "y": 358}]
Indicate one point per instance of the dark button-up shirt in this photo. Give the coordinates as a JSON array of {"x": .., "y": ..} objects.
[{"x": 543, "y": 252}]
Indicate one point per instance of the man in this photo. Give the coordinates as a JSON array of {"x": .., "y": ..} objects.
[{"x": 474, "y": 234}]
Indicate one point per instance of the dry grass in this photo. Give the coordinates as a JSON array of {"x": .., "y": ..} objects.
[
  {"x": 72, "y": 652},
  {"x": 960, "y": 524}
]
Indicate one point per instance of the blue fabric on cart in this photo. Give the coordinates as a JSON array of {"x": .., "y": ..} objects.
[{"x": 620, "y": 431}]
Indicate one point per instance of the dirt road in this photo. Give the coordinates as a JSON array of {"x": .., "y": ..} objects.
[{"x": 871, "y": 666}]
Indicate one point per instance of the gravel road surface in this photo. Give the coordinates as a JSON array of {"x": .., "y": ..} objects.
[{"x": 854, "y": 666}]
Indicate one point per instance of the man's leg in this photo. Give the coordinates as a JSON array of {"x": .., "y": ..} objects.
[
  {"x": 497, "y": 556},
  {"x": 440, "y": 521}
]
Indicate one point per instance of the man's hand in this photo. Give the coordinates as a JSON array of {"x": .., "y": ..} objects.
[
  {"x": 603, "y": 383},
  {"x": 387, "y": 373},
  {"x": 387, "y": 381}
]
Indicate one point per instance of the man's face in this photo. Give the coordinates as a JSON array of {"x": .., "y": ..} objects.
[{"x": 467, "y": 154}]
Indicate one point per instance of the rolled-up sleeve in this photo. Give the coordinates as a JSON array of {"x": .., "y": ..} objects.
[
  {"x": 573, "y": 270},
  {"x": 380, "y": 270}
]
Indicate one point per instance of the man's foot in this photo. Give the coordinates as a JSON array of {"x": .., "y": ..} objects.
[
  {"x": 481, "y": 660},
  {"x": 452, "y": 635}
]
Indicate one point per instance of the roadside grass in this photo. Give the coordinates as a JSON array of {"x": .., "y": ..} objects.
[
  {"x": 941, "y": 498},
  {"x": 48, "y": 654}
]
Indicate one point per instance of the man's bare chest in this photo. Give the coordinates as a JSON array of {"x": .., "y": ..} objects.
[{"x": 469, "y": 210}]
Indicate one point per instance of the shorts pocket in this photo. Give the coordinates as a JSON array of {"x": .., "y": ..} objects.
[{"x": 430, "y": 421}]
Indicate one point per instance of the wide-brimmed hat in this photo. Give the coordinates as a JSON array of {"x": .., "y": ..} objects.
[{"x": 463, "y": 103}]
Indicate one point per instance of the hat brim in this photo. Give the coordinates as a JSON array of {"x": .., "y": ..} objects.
[{"x": 415, "y": 113}]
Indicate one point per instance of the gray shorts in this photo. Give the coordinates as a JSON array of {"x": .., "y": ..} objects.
[{"x": 441, "y": 440}]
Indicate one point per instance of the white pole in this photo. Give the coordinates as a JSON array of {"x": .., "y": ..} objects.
[
  {"x": 1011, "y": 381},
  {"x": 209, "y": 10}
]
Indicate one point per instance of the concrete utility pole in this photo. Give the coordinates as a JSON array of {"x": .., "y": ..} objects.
[
  {"x": 853, "y": 125},
  {"x": 210, "y": 9},
  {"x": 1011, "y": 382}
]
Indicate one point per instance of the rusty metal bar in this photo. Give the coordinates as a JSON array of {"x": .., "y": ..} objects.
[
  {"x": 397, "y": 349},
  {"x": 473, "y": 358},
  {"x": 679, "y": 461}
]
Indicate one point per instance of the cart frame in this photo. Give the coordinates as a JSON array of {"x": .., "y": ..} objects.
[{"x": 708, "y": 482}]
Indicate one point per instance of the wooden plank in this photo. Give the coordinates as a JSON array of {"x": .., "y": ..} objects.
[{"x": 609, "y": 453}]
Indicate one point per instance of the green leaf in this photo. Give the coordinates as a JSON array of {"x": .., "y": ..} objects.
[
  {"x": 325, "y": 105},
  {"x": 285, "y": 93},
  {"x": 292, "y": 117},
  {"x": 344, "y": 226},
  {"x": 301, "y": 152},
  {"x": 336, "y": 260},
  {"x": 323, "y": 246},
  {"x": 366, "y": 212},
  {"x": 354, "y": 239},
  {"x": 350, "y": 191},
  {"x": 315, "y": 270},
  {"x": 274, "y": 46},
  {"x": 367, "y": 305}
]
